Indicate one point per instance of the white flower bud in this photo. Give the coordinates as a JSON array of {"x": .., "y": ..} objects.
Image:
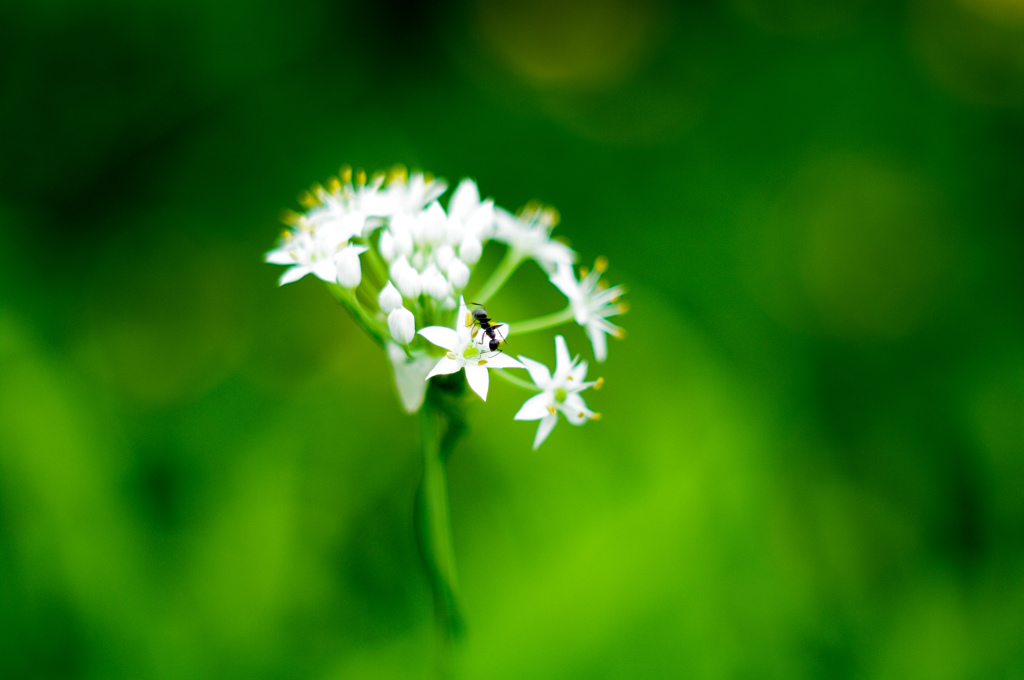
[
  {"x": 449, "y": 303},
  {"x": 406, "y": 279},
  {"x": 386, "y": 245},
  {"x": 389, "y": 299},
  {"x": 443, "y": 256},
  {"x": 481, "y": 222},
  {"x": 470, "y": 250},
  {"x": 347, "y": 261},
  {"x": 401, "y": 228},
  {"x": 458, "y": 274},
  {"x": 434, "y": 283},
  {"x": 402, "y": 325},
  {"x": 434, "y": 222}
]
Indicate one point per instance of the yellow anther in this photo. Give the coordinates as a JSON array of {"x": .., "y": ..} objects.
[
  {"x": 428, "y": 177},
  {"x": 552, "y": 216},
  {"x": 286, "y": 235},
  {"x": 451, "y": 355},
  {"x": 469, "y": 319},
  {"x": 481, "y": 362},
  {"x": 289, "y": 217},
  {"x": 317, "y": 190},
  {"x": 595, "y": 416},
  {"x": 475, "y": 331},
  {"x": 583, "y": 272},
  {"x": 345, "y": 173},
  {"x": 620, "y": 333},
  {"x": 599, "y": 383},
  {"x": 568, "y": 377},
  {"x": 602, "y": 285},
  {"x": 334, "y": 185},
  {"x": 378, "y": 177},
  {"x": 306, "y": 200},
  {"x": 582, "y": 414},
  {"x": 601, "y": 264},
  {"x": 360, "y": 177},
  {"x": 623, "y": 307},
  {"x": 551, "y": 409},
  {"x": 398, "y": 172}
]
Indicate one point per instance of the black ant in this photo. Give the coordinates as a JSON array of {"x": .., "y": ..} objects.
[{"x": 481, "y": 319}]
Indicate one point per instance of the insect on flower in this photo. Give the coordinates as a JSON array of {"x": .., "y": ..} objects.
[{"x": 481, "y": 320}]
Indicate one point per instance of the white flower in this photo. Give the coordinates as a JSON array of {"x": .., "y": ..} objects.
[
  {"x": 348, "y": 270},
  {"x": 468, "y": 215},
  {"x": 559, "y": 392},
  {"x": 412, "y": 194},
  {"x": 402, "y": 325},
  {"x": 458, "y": 273},
  {"x": 467, "y": 349},
  {"x": 389, "y": 299},
  {"x": 344, "y": 204},
  {"x": 592, "y": 305},
  {"x": 406, "y": 278},
  {"x": 314, "y": 250},
  {"x": 529, "y": 235}
]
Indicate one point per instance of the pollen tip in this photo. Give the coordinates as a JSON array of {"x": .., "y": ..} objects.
[
  {"x": 289, "y": 217},
  {"x": 469, "y": 320},
  {"x": 583, "y": 272},
  {"x": 568, "y": 377},
  {"x": 601, "y": 264},
  {"x": 552, "y": 215},
  {"x": 345, "y": 173},
  {"x": 360, "y": 177},
  {"x": 428, "y": 177},
  {"x": 551, "y": 409},
  {"x": 451, "y": 355},
  {"x": 623, "y": 307},
  {"x": 599, "y": 384},
  {"x": 595, "y": 416},
  {"x": 334, "y": 185},
  {"x": 481, "y": 362},
  {"x": 398, "y": 172},
  {"x": 306, "y": 200},
  {"x": 620, "y": 332}
]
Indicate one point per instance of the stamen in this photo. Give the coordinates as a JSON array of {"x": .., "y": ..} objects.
[
  {"x": 469, "y": 320},
  {"x": 451, "y": 355},
  {"x": 583, "y": 272},
  {"x": 306, "y": 200},
  {"x": 481, "y": 362},
  {"x": 599, "y": 384},
  {"x": 623, "y": 307},
  {"x": 551, "y": 409},
  {"x": 620, "y": 333},
  {"x": 596, "y": 416},
  {"x": 289, "y": 217},
  {"x": 601, "y": 264},
  {"x": 333, "y": 185},
  {"x": 552, "y": 216},
  {"x": 346, "y": 174},
  {"x": 360, "y": 177},
  {"x": 398, "y": 172}
]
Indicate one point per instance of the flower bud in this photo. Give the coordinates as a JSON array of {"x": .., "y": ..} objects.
[
  {"x": 402, "y": 325},
  {"x": 386, "y": 245},
  {"x": 458, "y": 274},
  {"x": 434, "y": 283},
  {"x": 406, "y": 279},
  {"x": 470, "y": 250},
  {"x": 434, "y": 223},
  {"x": 389, "y": 299},
  {"x": 347, "y": 261},
  {"x": 443, "y": 256}
]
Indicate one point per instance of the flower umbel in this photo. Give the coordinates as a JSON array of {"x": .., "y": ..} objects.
[
  {"x": 558, "y": 393},
  {"x": 592, "y": 303}
]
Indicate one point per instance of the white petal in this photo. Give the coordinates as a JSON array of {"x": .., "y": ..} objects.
[
  {"x": 562, "y": 359},
  {"x": 477, "y": 378},
  {"x": 280, "y": 256},
  {"x": 600, "y": 342},
  {"x": 470, "y": 249},
  {"x": 502, "y": 360},
  {"x": 535, "y": 408},
  {"x": 293, "y": 274},
  {"x": 575, "y": 409},
  {"x": 445, "y": 366},
  {"x": 539, "y": 373},
  {"x": 441, "y": 336},
  {"x": 543, "y": 430},
  {"x": 386, "y": 245},
  {"x": 465, "y": 199},
  {"x": 326, "y": 270},
  {"x": 458, "y": 273}
]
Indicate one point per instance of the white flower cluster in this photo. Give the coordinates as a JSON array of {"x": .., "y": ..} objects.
[{"x": 420, "y": 258}]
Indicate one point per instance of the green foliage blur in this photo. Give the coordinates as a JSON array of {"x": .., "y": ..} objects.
[{"x": 811, "y": 461}]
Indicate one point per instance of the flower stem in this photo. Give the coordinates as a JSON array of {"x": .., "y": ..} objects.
[
  {"x": 359, "y": 314},
  {"x": 442, "y": 425},
  {"x": 500, "y": 275},
  {"x": 518, "y": 382},
  {"x": 542, "y": 322}
]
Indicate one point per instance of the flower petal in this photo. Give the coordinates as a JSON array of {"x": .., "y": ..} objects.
[
  {"x": 279, "y": 256},
  {"x": 445, "y": 366},
  {"x": 539, "y": 373},
  {"x": 478, "y": 379},
  {"x": 293, "y": 274},
  {"x": 599, "y": 341},
  {"x": 535, "y": 408},
  {"x": 563, "y": 361},
  {"x": 326, "y": 270},
  {"x": 410, "y": 377},
  {"x": 575, "y": 409},
  {"x": 502, "y": 360},
  {"x": 543, "y": 430},
  {"x": 441, "y": 336}
]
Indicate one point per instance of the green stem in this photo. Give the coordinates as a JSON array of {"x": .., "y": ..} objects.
[
  {"x": 518, "y": 382},
  {"x": 542, "y": 322},
  {"x": 442, "y": 425},
  {"x": 359, "y": 314},
  {"x": 500, "y": 275}
]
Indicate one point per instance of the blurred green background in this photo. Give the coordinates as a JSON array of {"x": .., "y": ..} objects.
[{"x": 811, "y": 461}]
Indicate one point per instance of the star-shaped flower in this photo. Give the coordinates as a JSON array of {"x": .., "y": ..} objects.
[
  {"x": 322, "y": 250},
  {"x": 529, "y": 235},
  {"x": 559, "y": 392},
  {"x": 468, "y": 349},
  {"x": 592, "y": 304}
]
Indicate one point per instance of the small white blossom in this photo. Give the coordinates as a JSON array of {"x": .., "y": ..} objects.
[
  {"x": 311, "y": 250},
  {"x": 348, "y": 270},
  {"x": 466, "y": 351},
  {"x": 592, "y": 305},
  {"x": 529, "y": 235},
  {"x": 406, "y": 278},
  {"x": 402, "y": 325},
  {"x": 389, "y": 299},
  {"x": 410, "y": 375},
  {"x": 559, "y": 392},
  {"x": 458, "y": 273},
  {"x": 434, "y": 283},
  {"x": 412, "y": 194}
]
